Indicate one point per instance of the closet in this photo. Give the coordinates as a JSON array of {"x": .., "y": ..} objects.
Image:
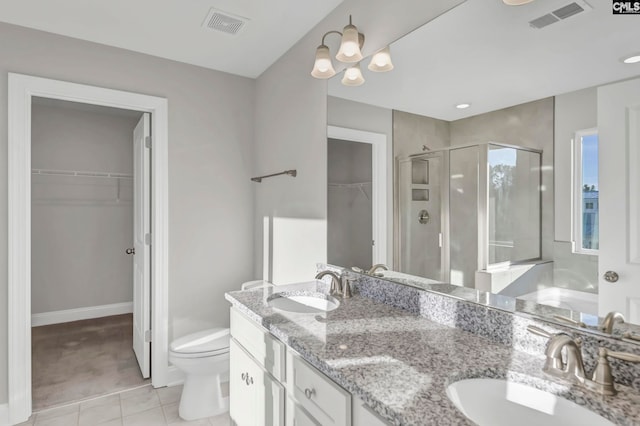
[
  {"x": 349, "y": 207},
  {"x": 81, "y": 226}
]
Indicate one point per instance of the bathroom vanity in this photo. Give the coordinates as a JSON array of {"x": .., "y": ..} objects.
[
  {"x": 388, "y": 355},
  {"x": 297, "y": 394}
]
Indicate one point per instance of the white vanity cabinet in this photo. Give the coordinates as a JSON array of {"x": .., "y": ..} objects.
[
  {"x": 256, "y": 374},
  {"x": 258, "y": 399},
  {"x": 270, "y": 384}
]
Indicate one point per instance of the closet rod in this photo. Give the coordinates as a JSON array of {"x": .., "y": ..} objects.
[
  {"x": 292, "y": 173},
  {"x": 80, "y": 174}
]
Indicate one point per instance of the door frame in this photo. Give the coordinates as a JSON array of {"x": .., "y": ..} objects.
[
  {"x": 379, "y": 191},
  {"x": 21, "y": 89}
]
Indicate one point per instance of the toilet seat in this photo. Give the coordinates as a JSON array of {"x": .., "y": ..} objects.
[{"x": 202, "y": 344}]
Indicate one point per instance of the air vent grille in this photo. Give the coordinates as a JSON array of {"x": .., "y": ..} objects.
[
  {"x": 568, "y": 10},
  {"x": 543, "y": 21},
  {"x": 559, "y": 14},
  {"x": 228, "y": 23}
]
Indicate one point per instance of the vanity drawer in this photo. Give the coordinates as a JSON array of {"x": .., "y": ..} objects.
[
  {"x": 264, "y": 348},
  {"x": 325, "y": 401}
]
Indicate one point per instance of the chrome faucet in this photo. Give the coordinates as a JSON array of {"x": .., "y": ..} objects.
[
  {"x": 611, "y": 318},
  {"x": 336, "y": 282},
  {"x": 572, "y": 368}
]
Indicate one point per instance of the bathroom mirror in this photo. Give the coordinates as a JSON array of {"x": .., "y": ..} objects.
[{"x": 492, "y": 197}]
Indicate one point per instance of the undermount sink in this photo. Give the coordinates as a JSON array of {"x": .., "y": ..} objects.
[
  {"x": 499, "y": 402},
  {"x": 309, "y": 303}
]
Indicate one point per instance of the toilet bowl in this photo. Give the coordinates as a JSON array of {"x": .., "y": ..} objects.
[{"x": 204, "y": 358}]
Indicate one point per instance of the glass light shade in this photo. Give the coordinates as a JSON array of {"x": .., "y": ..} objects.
[
  {"x": 323, "y": 67},
  {"x": 353, "y": 76},
  {"x": 631, "y": 59},
  {"x": 381, "y": 61},
  {"x": 349, "y": 46}
]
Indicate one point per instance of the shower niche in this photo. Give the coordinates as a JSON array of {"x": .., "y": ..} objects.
[{"x": 467, "y": 208}]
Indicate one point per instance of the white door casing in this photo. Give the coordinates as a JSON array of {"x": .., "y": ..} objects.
[
  {"x": 21, "y": 89},
  {"x": 141, "y": 246},
  {"x": 619, "y": 197}
]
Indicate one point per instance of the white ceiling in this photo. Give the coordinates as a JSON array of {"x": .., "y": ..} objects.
[
  {"x": 484, "y": 53},
  {"x": 172, "y": 29}
]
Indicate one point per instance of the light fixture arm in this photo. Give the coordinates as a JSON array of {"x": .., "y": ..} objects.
[{"x": 330, "y": 32}]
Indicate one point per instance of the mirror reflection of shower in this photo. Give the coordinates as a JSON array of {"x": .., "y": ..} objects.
[{"x": 483, "y": 205}]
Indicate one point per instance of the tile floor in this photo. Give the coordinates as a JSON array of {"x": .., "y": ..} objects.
[
  {"x": 83, "y": 359},
  {"x": 143, "y": 406}
]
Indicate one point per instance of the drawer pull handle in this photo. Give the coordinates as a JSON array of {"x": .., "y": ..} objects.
[
  {"x": 246, "y": 378},
  {"x": 309, "y": 392}
]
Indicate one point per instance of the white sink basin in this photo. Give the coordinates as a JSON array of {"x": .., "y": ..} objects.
[
  {"x": 492, "y": 402},
  {"x": 310, "y": 303}
]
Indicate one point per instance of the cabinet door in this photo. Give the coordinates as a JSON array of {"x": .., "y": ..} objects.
[
  {"x": 255, "y": 398},
  {"x": 297, "y": 416},
  {"x": 364, "y": 416}
]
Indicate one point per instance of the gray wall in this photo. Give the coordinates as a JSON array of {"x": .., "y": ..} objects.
[
  {"x": 211, "y": 117},
  {"x": 349, "y": 216},
  {"x": 80, "y": 225},
  {"x": 356, "y": 115},
  {"x": 293, "y": 134}
]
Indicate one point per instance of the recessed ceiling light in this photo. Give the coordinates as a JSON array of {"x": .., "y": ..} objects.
[
  {"x": 463, "y": 106},
  {"x": 635, "y": 58}
]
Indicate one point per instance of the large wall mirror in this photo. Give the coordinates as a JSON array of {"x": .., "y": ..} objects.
[{"x": 513, "y": 141}]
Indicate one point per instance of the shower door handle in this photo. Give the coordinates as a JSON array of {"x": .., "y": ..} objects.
[{"x": 130, "y": 251}]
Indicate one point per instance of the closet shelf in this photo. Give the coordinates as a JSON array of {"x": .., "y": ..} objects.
[
  {"x": 355, "y": 185},
  {"x": 75, "y": 173}
]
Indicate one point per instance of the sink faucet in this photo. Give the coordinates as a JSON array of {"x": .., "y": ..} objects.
[
  {"x": 611, "y": 318},
  {"x": 375, "y": 267},
  {"x": 573, "y": 368},
  {"x": 336, "y": 282}
]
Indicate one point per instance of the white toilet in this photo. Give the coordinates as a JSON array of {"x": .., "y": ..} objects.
[{"x": 204, "y": 358}]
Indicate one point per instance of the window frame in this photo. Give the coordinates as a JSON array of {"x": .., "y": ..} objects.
[{"x": 577, "y": 216}]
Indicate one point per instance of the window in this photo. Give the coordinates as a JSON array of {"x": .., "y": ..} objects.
[{"x": 585, "y": 188}]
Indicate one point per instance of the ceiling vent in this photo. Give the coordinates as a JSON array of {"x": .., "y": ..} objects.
[
  {"x": 559, "y": 14},
  {"x": 224, "y": 22}
]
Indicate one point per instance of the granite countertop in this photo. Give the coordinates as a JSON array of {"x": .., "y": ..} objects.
[{"x": 400, "y": 364}]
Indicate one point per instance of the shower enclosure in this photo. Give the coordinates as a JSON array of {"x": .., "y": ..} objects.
[{"x": 467, "y": 208}]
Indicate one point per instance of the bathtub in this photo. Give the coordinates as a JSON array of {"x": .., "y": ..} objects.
[{"x": 565, "y": 298}]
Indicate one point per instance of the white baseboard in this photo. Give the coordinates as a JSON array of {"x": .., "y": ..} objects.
[
  {"x": 69, "y": 315},
  {"x": 174, "y": 376},
  {"x": 4, "y": 414}
]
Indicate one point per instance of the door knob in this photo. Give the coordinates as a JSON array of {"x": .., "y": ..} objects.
[
  {"x": 130, "y": 251},
  {"x": 611, "y": 276}
]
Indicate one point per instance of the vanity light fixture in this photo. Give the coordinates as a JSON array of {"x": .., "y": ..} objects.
[
  {"x": 349, "y": 53},
  {"x": 633, "y": 59},
  {"x": 463, "y": 106}
]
